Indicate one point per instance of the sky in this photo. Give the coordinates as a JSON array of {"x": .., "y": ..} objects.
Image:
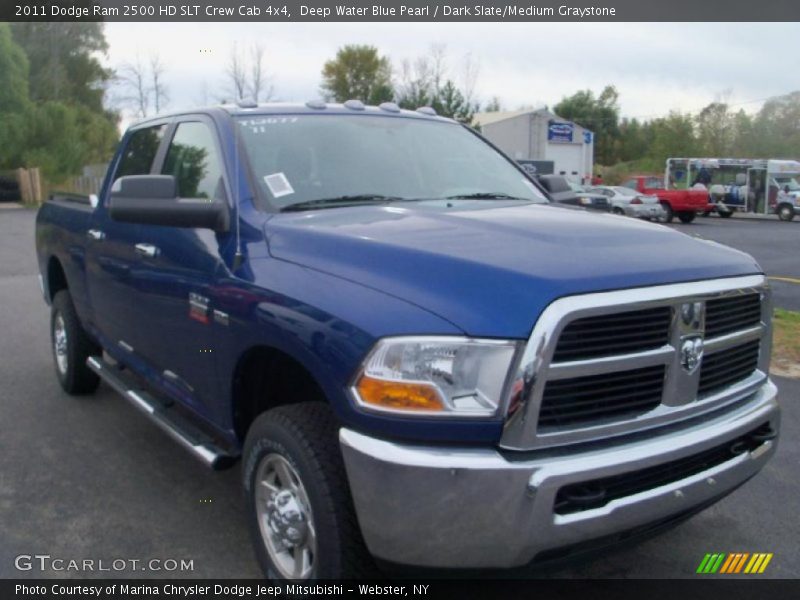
[{"x": 656, "y": 67}]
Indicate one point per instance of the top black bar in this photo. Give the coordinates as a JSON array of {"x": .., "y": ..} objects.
[{"x": 398, "y": 10}]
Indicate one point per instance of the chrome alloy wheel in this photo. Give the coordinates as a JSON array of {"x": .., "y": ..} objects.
[
  {"x": 284, "y": 517},
  {"x": 60, "y": 344}
]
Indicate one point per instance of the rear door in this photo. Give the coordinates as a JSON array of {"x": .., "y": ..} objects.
[
  {"x": 112, "y": 258},
  {"x": 178, "y": 277}
]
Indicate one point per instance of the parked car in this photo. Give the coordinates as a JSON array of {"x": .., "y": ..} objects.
[
  {"x": 9, "y": 189},
  {"x": 561, "y": 191},
  {"x": 625, "y": 201},
  {"x": 685, "y": 204},
  {"x": 414, "y": 355}
]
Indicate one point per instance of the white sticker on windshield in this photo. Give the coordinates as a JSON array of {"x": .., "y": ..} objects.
[{"x": 278, "y": 185}]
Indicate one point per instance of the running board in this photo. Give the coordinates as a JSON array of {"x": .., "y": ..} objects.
[{"x": 175, "y": 425}]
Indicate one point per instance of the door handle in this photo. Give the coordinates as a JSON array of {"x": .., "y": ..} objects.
[
  {"x": 96, "y": 234},
  {"x": 147, "y": 250}
]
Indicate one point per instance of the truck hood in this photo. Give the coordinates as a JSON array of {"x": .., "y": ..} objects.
[{"x": 491, "y": 270}]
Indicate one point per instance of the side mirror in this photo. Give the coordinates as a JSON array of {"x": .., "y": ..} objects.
[{"x": 153, "y": 200}]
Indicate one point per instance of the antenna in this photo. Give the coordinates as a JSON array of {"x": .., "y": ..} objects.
[{"x": 238, "y": 257}]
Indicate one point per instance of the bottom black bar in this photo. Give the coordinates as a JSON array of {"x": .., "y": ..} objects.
[{"x": 704, "y": 587}]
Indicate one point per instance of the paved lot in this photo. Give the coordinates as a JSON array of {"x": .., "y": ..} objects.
[{"x": 91, "y": 478}]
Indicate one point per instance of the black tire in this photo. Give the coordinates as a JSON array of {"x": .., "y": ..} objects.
[
  {"x": 706, "y": 213},
  {"x": 785, "y": 212},
  {"x": 306, "y": 436},
  {"x": 668, "y": 214},
  {"x": 73, "y": 374},
  {"x": 686, "y": 216},
  {"x": 618, "y": 211},
  {"x": 725, "y": 214}
]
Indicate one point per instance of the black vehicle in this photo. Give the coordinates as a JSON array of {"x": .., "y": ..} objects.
[
  {"x": 561, "y": 191},
  {"x": 9, "y": 189}
]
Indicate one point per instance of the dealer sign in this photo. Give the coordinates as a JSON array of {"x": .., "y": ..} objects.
[{"x": 559, "y": 132}]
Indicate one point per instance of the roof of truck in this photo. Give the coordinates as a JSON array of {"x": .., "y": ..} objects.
[{"x": 312, "y": 107}]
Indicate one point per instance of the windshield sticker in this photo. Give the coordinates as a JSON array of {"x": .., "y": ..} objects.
[
  {"x": 278, "y": 185},
  {"x": 260, "y": 124}
]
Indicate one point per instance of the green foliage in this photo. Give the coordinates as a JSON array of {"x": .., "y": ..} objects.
[
  {"x": 358, "y": 72},
  {"x": 63, "y": 62},
  {"x": 51, "y": 98},
  {"x": 13, "y": 73},
  {"x": 600, "y": 115},
  {"x": 54, "y": 140},
  {"x": 493, "y": 105},
  {"x": 450, "y": 102}
]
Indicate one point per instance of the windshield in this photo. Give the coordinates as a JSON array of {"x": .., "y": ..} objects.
[
  {"x": 301, "y": 159},
  {"x": 788, "y": 181}
]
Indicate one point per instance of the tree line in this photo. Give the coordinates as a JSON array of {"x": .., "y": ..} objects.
[
  {"x": 60, "y": 107},
  {"x": 718, "y": 130},
  {"x": 52, "y": 112}
]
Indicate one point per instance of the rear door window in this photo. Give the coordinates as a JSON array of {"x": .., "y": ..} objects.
[{"x": 140, "y": 151}]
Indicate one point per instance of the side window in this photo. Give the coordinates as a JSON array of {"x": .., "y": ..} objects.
[
  {"x": 631, "y": 183},
  {"x": 653, "y": 182},
  {"x": 137, "y": 158},
  {"x": 193, "y": 160}
]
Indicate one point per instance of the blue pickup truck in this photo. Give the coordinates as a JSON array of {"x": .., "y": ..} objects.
[{"x": 416, "y": 357}]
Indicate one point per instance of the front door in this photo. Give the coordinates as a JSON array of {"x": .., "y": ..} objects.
[{"x": 178, "y": 274}]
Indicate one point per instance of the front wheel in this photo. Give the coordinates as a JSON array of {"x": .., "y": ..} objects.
[
  {"x": 785, "y": 212},
  {"x": 71, "y": 347},
  {"x": 725, "y": 214},
  {"x": 298, "y": 500},
  {"x": 686, "y": 217},
  {"x": 668, "y": 214}
]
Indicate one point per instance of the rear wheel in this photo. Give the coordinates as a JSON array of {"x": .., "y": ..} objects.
[
  {"x": 785, "y": 212},
  {"x": 668, "y": 214},
  {"x": 71, "y": 347},
  {"x": 299, "y": 506},
  {"x": 686, "y": 216},
  {"x": 725, "y": 214},
  {"x": 618, "y": 211}
]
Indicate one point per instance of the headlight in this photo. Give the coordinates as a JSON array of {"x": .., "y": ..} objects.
[
  {"x": 584, "y": 200},
  {"x": 435, "y": 376}
]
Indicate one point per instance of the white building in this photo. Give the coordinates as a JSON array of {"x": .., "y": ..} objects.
[{"x": 541, "y": 135}]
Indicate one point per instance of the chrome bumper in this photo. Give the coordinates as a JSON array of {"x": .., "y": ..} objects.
[
  {"x": 470, "y": 507},
  {"x": 641, "y": 211}
]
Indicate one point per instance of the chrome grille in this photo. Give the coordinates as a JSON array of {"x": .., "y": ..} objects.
[
  {"x": 611, "y": 363},
  {"x": 725, "y": 315},
  {"x": 598, "y": 397},
  {"x": 613, "y": 334},
  {"x": 723, "y": 368}
]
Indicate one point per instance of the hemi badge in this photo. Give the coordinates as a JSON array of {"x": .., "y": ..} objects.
[
  {"x": 221, "y": 317},
  {"x": 198, "y": 308}
]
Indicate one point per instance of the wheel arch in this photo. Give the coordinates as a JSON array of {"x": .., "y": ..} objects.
[
  {"x": 56, "y": 279},
  {"x": 265, "y": 377}
]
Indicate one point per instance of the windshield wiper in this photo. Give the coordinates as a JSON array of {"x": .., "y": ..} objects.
[
  {"x": 485, "y": 196},
  {"x": 351, "y": 200}
]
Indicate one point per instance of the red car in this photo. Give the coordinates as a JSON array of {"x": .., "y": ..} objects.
[{"x": 684, "y": 204}]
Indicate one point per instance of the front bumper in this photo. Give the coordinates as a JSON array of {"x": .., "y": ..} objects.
[
  {"x": 477, "y": 508},
  {"x": 644, "y": 211}
]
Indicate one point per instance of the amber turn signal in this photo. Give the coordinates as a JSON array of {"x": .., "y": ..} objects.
[{"x": 398, "y": 395}]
